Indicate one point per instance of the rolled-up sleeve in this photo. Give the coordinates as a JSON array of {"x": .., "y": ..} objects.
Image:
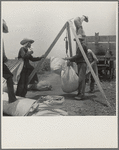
[
  {"x": 78, "y": 55},
  {"x": 75, "y": 57}
]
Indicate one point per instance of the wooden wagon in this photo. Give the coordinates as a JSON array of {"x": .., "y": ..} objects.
[{"x": 105, "y": 49}]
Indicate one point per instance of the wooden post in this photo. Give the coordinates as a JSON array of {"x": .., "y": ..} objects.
[
  {"x": 96, "y": 43},
  {"x": 39, "y": 65},
  {"x": 108, "y": 43},
  {"x": 69, "y": 39},
  {"x": 88, "y": 63}
]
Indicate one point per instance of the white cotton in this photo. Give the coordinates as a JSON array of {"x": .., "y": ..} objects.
[{"x": 57, "y": 64}]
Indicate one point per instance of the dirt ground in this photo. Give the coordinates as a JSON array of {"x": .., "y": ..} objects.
[{"x": 92, "y": 105}]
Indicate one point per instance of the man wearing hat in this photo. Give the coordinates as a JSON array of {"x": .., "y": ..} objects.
[
  {"x": 35, "y": 78},
  {"x": 81, "y": 66},
  {"x": 25, "y": 53},
  {"x": 93, "y": 60},
  {"x": 78, "y": 24},
  {"x": 6, "y": 72},
  {"x": 78, "y": 58}
]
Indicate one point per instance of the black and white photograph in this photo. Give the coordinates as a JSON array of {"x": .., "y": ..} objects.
[{"x": 59, "y": 74}]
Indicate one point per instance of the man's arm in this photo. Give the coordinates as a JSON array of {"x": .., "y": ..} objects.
[
  {"x": 94, "y": 56},
  {"x": 35, "y": 58},
  {"x": 78, "y": 55},
  {"x": 75, "y": 57}
]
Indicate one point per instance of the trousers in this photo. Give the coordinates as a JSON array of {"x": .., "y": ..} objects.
[
  {"x": 92, "y": 83},
  {"x": 82, "y": 75},
  {"x": 23, "y": 82},
  {"x": 8, "y": 76},
  {"x": 35, "y": 78}
]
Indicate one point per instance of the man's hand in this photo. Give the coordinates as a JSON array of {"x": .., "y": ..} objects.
[
  {"x": 30, "y": 52},
  {"x": 66, "y": 58}
]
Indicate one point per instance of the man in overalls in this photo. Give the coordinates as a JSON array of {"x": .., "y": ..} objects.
[
  {"x": 78, "y": 24},
  {"x": 93, "y": 60},
  {"x": 81, "y": 66},
  {"x": 78, "y": 58}
]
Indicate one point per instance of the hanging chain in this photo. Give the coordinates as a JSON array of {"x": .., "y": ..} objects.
[{"x": 66, "y": 43}]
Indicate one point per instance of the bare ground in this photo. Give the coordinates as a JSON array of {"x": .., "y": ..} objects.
[{"x": 92, "y": 105}]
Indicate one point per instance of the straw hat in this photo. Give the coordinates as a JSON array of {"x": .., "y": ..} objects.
[
  {"x": 24, "y": 41},
  {"x": 5, "y": 27}
]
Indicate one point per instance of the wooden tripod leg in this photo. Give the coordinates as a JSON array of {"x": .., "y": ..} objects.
[
  {"x": 39, "y": 65},
  {"x": 69, "y": 39},
  {"x": 88, "y": 63}
]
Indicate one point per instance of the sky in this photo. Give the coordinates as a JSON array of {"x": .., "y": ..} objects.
[{"x": 42, "y": 21}]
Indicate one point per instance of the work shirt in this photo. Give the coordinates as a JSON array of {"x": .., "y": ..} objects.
[
  {"x": 91, "y": 56},
  {"x": 78, "y": 24},
  {"x": 23, "y": 53},
  {"x": 78, "y": 58}
]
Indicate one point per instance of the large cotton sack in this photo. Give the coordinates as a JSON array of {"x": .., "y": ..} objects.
[
  {"x": 51, "y": 112},
  {"x": 49, "y": 106},
  {"x": 69, "y": 80},
  {"x": 57, "y": 64},
  {"x": 75, "y": 67},
  {"x": 20, "y": 107},
  {"x": 45, "y": 106},
  {"x": 40, "y": 86},
  {"x": 52, "y": 101}
]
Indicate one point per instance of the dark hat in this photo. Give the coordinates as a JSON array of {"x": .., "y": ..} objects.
[
  {"x": 86, "y": 18},
  {"x": 24, "y": 41},
  {"x": 5, "y": 27}
]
